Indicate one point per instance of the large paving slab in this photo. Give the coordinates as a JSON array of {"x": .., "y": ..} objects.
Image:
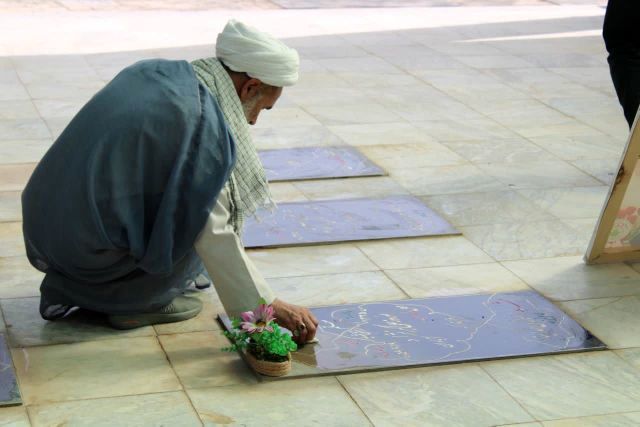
[{"x": 434, "y": 331}]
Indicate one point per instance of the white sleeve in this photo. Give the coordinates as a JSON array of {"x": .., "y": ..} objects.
[{"x": 238, "y": 282}]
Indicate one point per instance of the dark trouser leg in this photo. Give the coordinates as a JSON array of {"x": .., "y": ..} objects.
[
  {"x": 137, "y": 292},
  {"x": 625, "y": 73}
]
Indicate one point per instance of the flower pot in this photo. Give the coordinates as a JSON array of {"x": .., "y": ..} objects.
[{"x": 270, "y": 369}]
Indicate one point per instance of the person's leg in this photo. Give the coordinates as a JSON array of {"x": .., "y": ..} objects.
[
  {"x": 138, "y": 299},
  {"x": 625, "y": 73}
]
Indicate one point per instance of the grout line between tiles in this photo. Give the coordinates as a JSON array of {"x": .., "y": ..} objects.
[
  {"x": 481, "y": 366},
  {"x": 354, "y": 400},
  {"x": 184, "y": 389},
  {"x": 400, "y": 288}
]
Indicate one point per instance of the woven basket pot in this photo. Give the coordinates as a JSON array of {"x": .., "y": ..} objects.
[{"x": 270, "y": 369}]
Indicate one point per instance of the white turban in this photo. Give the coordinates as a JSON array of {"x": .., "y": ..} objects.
[{"x": 247, "y": 50}]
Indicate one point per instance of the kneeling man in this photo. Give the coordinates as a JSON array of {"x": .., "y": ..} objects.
[{"x": 152, "y": 178}]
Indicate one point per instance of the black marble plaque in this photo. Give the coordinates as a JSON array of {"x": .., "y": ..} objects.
[
  {"x": 331, "y": 221},
  {"x": 9, "y": 392},
  {"x": 433, "y": 331},
  {"x": 291, "y": 164}
]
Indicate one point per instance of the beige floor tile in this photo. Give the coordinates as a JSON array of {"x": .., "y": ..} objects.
[
  {"x": 522, "y": 425},
  {"x": 631, "y": 355},
  {"x": 18, "y": 278},
  {"x": 514, "y": 241},
  {"x": 409, "y": 103},
  {"x": 447, "y": 180},
  {"x": 14, "y": 417},
  {"x": 13, "y": 110},
  {"x": 552, "y": 387},
  {"x": 581, "y": 147},
  {"x": 368, "y": 187},
  {"x": 569, "y": 278},
  {"x": 369, "y": 65},
  {"x": 629, "y": 419},
  {"x": 538, "y": 82},
  {"x": 605, "y": 170},
  {"x": 11, "y": 240},
  {"x": 15, "y": 177},
  {"x": 616, "y": 321},
  {"x": 486, "y": 208},
  {"x": 465, "y": 130},
  {"x": 59, "y": 108},
  {"x": 570, "y": 203},
  {"x": 373, "y": 80},
  {"x": 493, "y": 61},
  {"x": 569, "y": 127},
  {"x": 500, "y": 151},
  {"x": 27, "y": 151},
  {"x": 342, "y": 114},
  {"x": 423, "y": 252},
  {"x": 583, "y": 226},
  {"x": 458, "y": 280},
  {"x": 13, "y": 92},
  {"x": 407, "y": 49},
  {"x": 417, "y": 64},
  {"x": 585, "y": 105},
  {"x": 199, "y": 361},
  {"x": 29, "y": 128},
  {"x": 407, "y": 156},
  {"x": 594, "y": 77},
  {"x": 310, "y": 261},
  {"x": 381, "y": 134},
  {"x": 467, "y": 78},
  {"x": 487, "y": 91},
  {"x": 10, "y": 206},
  {"x": 611, "y": 124},
  {"x": 286, "y": 117},
  {"x": 286, "y": 192},
  {"x": 93, "y": 369},
  {"x": 316, "y": 80},
  {"x": 279, "y": 403},
  {"x": 525, "y": 113},
  {"x": 543, "y": 174},
  {"x": 294, "y": 136},
  {"x": 171, "y": 409},
  {"x": 433, "y": 397},
  {"x": 26, "y": 328},
  {"x": 72, "y": 90},
  {"x": 332, "y": 289},
  {"x": 205, "y": 321},
  {"x": 327, "y": 97},
  {"x": 31, "y": 75}
]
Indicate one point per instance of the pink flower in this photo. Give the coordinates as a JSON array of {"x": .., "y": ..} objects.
[{"x": 258, "y": 320}]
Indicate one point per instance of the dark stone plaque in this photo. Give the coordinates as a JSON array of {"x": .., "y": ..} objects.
[
  {"x": 433, "y": 331},
  {"x": 317, "y": 163},
  {"x": 9, "y": 392},
  {"x": 331, "y": 221}
]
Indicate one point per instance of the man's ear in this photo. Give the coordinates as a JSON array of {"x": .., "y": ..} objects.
[{"x": 250, "y": 89}]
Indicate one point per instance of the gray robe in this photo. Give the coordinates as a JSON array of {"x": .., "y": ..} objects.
[{"x": 112, "y": 211}]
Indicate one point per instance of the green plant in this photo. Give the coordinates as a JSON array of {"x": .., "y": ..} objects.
[{"x": 258, "y": 333}]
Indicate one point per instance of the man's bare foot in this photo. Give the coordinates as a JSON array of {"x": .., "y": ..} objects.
[{"x": 297, "y": 319}]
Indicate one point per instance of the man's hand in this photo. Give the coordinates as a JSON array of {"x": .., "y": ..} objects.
[{"x": 298, "y": 320}]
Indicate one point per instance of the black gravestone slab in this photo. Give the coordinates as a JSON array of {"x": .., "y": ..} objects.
[
  {"x": 316, "y": 163},
  {"x": 9, "y": 392},
  {"x": 434, "y": 331},
  {"x": 332, "y": 221}
]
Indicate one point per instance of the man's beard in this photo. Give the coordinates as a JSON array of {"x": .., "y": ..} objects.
[{"x": 249, "y": 105}]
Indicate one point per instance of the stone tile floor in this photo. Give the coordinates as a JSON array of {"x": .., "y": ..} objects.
[{"x": 502, "y": 117}]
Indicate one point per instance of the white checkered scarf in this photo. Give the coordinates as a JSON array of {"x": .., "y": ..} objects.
[{"x": 247, "y": 185}]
